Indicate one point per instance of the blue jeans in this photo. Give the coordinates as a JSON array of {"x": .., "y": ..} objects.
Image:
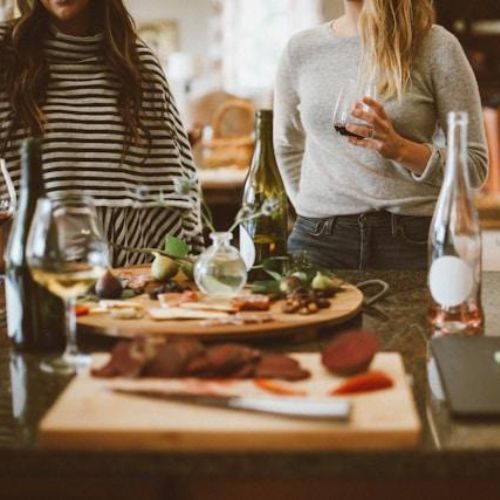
[{"x": 373, "y": 240}]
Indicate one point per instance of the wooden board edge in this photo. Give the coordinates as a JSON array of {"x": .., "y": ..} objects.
[{"x": 310, "y": 441}]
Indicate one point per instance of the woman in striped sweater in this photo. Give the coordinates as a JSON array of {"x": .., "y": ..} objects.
[{"x": 75, "y": 72}]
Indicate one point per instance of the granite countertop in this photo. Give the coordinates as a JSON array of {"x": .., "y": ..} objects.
[{"x": 448, "y": 448}]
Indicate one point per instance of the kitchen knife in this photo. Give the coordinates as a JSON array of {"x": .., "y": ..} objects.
[{"x": 295, "y": 407}]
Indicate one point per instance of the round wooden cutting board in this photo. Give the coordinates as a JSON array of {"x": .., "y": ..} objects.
[{"x": 344, "y": 306}]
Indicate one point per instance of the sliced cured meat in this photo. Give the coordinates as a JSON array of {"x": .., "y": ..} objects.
[
  {"x": 189, "y": 358},
  {"x": 350, "y": 352},
  {"x": 135, "y": 280},
  {"x": 175, "y": 300},
  {"x": 228, "y": 358},
  {"x": 245, "y": 371},
  {"x": 198, "y": 367},
  {"x": 223, "y": 360},
  {"x": 171, "y": 358},
  {"x": 254, "y": 302},
  {"x": 280, "y": 366},
  {"x": 127, "y": 359}
]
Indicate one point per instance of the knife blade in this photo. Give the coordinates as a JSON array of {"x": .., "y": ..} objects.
[{"x": 294, "y": 407}]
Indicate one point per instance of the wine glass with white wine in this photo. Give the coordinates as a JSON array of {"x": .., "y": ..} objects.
[{"x": 66, "y": 253}]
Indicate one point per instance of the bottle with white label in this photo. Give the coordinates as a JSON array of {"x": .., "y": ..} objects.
[
  {"x": 455, "y": 244},
  {"x": 264, "y": 236}
]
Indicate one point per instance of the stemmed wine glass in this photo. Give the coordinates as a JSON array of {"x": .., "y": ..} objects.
[
  {"x": 66, "y": 253},
  {"x": 7, "y": 200},
  {"x": 351, "y": 92}
]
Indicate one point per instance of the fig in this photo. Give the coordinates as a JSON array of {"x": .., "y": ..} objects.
[
  {"x": 108, "y": 286},
  {"x": 163, "y": 268}
]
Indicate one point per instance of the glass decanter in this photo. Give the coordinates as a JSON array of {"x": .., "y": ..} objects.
[{"x": 220, "y": 271}]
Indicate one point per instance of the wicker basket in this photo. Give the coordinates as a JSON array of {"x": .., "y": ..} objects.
[{"x": 231, "y": 144}]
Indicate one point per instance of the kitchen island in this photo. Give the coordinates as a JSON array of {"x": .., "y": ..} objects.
[{"x": 454, "y": 459}]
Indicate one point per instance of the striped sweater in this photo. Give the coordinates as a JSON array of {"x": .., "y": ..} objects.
[{"x": 83, "y": 147}]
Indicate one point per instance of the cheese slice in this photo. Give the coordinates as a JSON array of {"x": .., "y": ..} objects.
[
  {"x": 120, "y": 304},
  {"x": 208, "y": 306},
  {"x": 160, "y": 314}
]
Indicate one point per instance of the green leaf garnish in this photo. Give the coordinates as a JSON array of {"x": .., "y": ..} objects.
[
  {"x": 276, "y": 276},
  {"x": 265, "y": 287},
  {"x": 175, "y": 247}
]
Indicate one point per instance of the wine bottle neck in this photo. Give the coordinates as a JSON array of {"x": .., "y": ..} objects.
[
  {"x": 264, "y": 133},
  {"x": 456, "y": 164},
  {"x": 31, "y": 168}
]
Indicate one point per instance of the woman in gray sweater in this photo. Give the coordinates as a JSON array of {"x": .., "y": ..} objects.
[{"x": 367, "y": 202}]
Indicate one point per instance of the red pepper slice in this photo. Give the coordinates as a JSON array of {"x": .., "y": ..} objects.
[
  {"x": 81, "y": 310},
  {"x": 365, "y": 382},
  {"x": 277, "y": 388}
]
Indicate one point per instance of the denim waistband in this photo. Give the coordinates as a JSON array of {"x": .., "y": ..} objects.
[{"x": 380, "y": 218}]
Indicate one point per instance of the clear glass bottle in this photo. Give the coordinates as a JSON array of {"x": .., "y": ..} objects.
[
  {"x": 455, "y": 244},
  {"x": 220, "y": 271},
  {"x": 264, "y": 236}
]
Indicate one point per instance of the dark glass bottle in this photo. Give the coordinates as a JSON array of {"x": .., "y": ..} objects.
[
  {"x": 264, "y": 236},
  {"x": 35, "y": 317}
]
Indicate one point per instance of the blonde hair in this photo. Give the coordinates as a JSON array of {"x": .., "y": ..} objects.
[{"x": 391, "y": 32}]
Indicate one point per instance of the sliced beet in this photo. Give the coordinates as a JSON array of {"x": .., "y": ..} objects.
[{"x": 350, "y": 352}]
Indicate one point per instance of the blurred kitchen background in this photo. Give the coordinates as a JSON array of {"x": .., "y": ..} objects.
[{"x": 220, "y": 57}]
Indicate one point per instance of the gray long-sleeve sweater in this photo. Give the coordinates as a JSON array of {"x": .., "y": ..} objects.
[{"x": 324, "y": 175}]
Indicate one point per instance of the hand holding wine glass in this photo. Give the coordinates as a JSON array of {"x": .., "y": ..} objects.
[
  {"x": 362, "y": 119},
  {"x": 351, "y": 93},
  {"x": 377, "y": 132},
  {"x": 66, "y": 254}
]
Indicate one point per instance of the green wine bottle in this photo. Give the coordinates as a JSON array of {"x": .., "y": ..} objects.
[
  {"x": 35, "y": 317},
  {"x": 266, "y": 235}
]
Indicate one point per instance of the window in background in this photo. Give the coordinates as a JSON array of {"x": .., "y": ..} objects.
[{"x": 255, "y": 32}]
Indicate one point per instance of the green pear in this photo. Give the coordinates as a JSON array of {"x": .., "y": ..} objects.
[{"x": 163, "y": 268}]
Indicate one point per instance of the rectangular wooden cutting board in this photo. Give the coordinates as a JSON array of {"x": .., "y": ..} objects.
[{"x": 89, "y": 416}]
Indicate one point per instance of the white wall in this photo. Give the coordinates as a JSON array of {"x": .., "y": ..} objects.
[{"x": 191, "y": 16}]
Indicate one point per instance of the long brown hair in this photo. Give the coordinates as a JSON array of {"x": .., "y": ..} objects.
[
  {"x": 27, "y": 72},
  {"x": 391, "y": 32}
]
